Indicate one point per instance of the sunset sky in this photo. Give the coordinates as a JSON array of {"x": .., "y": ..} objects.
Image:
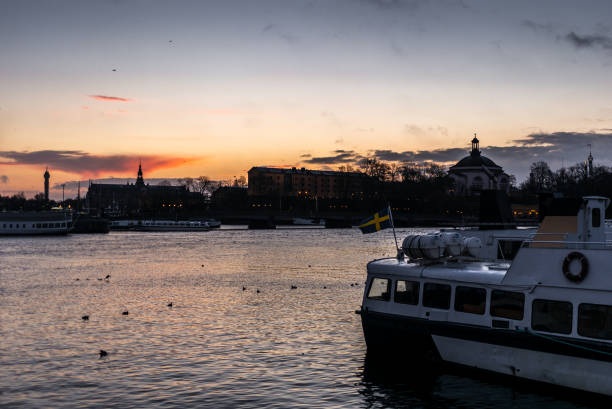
[{"x": 212, "y": 88}]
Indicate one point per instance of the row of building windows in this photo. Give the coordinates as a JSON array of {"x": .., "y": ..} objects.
[
  {"x": 33, "y": 226},
  {"x": 594, "y": 320}
]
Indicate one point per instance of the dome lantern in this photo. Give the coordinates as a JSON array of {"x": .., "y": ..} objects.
[{"x": 475, "y": 145}]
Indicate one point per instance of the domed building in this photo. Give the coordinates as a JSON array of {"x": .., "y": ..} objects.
[{"x": 476, "y": 172}]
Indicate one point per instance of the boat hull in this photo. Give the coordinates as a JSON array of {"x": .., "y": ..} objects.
[{"x": 553, "y": 360}]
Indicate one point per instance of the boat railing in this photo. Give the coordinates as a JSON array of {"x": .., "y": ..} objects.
[{"x": 561, "y": 242}]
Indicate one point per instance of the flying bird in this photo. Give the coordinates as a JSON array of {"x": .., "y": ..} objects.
[{"x": 114, "y": 69}]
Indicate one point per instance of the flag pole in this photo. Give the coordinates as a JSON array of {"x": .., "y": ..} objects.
[{"x": 393, "y": 227}]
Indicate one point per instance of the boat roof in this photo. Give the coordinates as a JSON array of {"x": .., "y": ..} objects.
[
  {"x": 35, "y": 216},
  {"x": 482, "y": 272}
]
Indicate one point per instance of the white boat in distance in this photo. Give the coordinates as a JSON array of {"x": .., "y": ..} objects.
[
  {"x": 35, "y": 223},
  {"x": 170, "y": 225},
  {"x": 542, "y": 314},
  {"x": 300, "y": 221}
]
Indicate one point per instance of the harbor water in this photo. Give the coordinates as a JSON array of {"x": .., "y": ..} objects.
[{"x": 237, "y": 333}]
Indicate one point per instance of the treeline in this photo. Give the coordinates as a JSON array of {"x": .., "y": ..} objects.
[
  {"x": 574, "y": 181},
  {"x": 18, "y": 201}
]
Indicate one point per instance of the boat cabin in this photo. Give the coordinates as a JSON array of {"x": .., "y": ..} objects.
[{"x": 556, "y": 291}]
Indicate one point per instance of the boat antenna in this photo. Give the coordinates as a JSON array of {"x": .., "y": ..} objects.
[{"x": 400, "y": 253}]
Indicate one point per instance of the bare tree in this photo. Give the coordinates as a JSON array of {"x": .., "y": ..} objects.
[
  {"x": 187, "y": 182},
  {"x": 203, "y": 185}
]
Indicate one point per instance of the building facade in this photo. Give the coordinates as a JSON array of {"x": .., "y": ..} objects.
[
  {"x": 140, "y": 199},
  {"x": 305, "y": 183},
  {"x": 476, "y": 172}
]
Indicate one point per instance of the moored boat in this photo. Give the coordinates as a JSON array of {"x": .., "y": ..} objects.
[
  {"x": 170, "y": 226},
  {"x": 542, "y": 313},
  {"x": 35, "y": 223}
]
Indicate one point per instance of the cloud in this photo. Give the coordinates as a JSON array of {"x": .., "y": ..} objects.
[
  {"x": 589, "y": 41},
  {"x": 341, "y": 156},
  {"x": 414, "y": 130},
  {"x": 592, "y": 41},
  {"x": 306, "y": 155},
  {"x": 537, "y": 27},
  {"x": 4, "y": 179},
  {"x": 83, "y": 163},
  {"x": 108, "y": 98},
  {"x": 555, "y": 148},
  {"x": 277, "y": 31}
]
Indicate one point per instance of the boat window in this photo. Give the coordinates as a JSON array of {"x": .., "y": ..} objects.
[
  {"x": 38, "y": 225},
  {"x": 407, "y": 292},
  {"x": 595, "y": 321},
  {"x": 11, "y": 225},
  {"x": 379, "y": 289},
  {"x": 596, "y": 217},
  {"x": 551, "y": 316},
  {"x": 507, "y": 249},
  {"x": 436, "y": 295},
  {"x": 44, "y": 225},
  {"x": 4, "y": 226},
  {"x": 507, "y": 304},
  {"x": 471, "y": 300}
]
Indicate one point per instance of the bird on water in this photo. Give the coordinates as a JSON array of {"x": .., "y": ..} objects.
[
  {"x": 103, "y": 353},
  {"x": 85, "y": 317},
  {"x": 107, "y": 277},
  {"x": 126, "y": 312},
  {"x": 293, "y": 287},
  {"x": 170, "y": 304}
]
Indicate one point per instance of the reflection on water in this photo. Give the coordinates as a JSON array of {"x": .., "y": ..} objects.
[{"x": 219, "y": 346}]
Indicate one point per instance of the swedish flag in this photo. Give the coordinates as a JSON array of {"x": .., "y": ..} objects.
[{"x": 379, "y": 221}]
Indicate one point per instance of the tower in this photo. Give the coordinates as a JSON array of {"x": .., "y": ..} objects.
[
  {"x": 139, "y": 179},
  {"x": 475, "y": 145},
  {"x": 47, "y": 176},
  {"x": 590, "y": 162}
]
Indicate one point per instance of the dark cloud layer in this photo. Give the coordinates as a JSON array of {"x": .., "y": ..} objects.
[
  {"x": 83, "y": 163},
  {"x": 555, "y": 148},
  {"x": 341, "y": 156}
]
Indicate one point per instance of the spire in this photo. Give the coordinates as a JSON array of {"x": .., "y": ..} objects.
[
  {"x": 47, "y": 175},
  {"x": 139, "y": 179},
  {"x": 590, "y": 162},
  {"x": 475, "y": 145}
]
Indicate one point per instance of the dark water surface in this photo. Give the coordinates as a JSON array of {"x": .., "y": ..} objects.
[{"x": 218, "y": 346}]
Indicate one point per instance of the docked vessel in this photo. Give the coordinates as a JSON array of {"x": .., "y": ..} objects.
[
  {"x": 170, "y": 225},
  {"x": 35, "y": 223},
  {"x": 543, "y": 314},
  {"x": 301, "y": 221}
]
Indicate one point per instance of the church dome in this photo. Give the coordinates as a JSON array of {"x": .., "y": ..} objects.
[{"x": 476, "y": 160}]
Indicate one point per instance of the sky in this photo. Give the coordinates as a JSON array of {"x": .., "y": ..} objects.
[{"x": 90, "y": 88}]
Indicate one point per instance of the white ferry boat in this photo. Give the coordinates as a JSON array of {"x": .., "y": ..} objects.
[
  {"x": 170, "y": 225},
  {"x": 35, "y": 223},
  {"x": 543, "y": 315}
]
